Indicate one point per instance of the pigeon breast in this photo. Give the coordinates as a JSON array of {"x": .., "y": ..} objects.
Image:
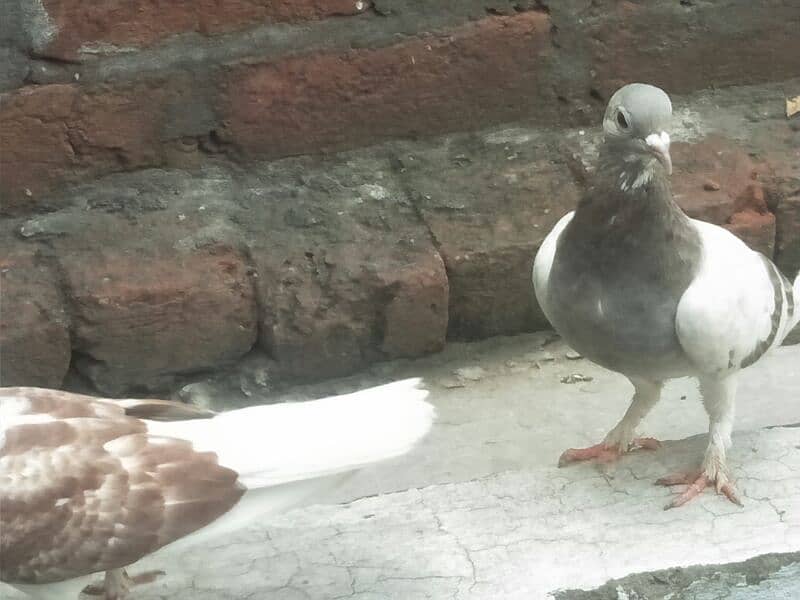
[{"x": 621, "y": 266}]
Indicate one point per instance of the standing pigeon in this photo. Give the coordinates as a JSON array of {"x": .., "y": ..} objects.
[
  {"x": 638, "y": 287},
  {"x": 86, "y": 488}
]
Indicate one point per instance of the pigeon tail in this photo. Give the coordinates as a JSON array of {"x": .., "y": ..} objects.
[
  {"x": 288, "y": 453},
  {"x": 282, "y": 443}
]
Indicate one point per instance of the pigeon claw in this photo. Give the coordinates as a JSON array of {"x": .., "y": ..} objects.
[
  {"x": 599, "y": 452},
  {"x": 605, "y": 453},
  {"x": 117, "y": 583},
  {"x": 697, "y": 481},
  {"x": 646, "y": 443}
]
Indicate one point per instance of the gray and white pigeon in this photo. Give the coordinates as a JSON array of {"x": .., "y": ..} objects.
[
  {"x": 638, "y": 287},
  {"x": 87, "y": 488}
]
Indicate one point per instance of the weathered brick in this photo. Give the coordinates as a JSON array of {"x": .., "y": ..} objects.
[
  {"x": 486, "y": 71},
  {"x": 415, "y": 320},
  {"x": 715, "y": 180},
  {"x": 787, "y": 251},
  {"x": 34, "y": 325},
  {"x": 489, "y": 201},
  {"x": 306, "y": 95},
  {"x": 164, "y": 271},
  {"x": 156, "y": 283},
  {"x": 787, "y": 213},
  {"x": 688, "y": 46},
  {"x": 782, "y": 152},
  {"x": 59, "y": 133},
  {"x": 143, "y": 316},
  {"x": 347, "y": 274},
  {"x": 141, "y": 23}
]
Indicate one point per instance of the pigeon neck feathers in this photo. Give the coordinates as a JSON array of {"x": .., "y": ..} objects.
[
  {"x": 628, "y": 168},
  {"x": 630, "y": 197}
]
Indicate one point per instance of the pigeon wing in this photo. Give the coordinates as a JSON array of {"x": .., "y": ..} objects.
[
  {"x": 543, "y": 262},
  {"x": 85, "y": 488},
  {"x": 737, "y": 308}
]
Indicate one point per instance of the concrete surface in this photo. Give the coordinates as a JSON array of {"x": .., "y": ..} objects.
[{"x": 479, "y": 511}]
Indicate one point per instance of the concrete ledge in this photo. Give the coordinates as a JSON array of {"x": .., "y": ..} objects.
[
  {"x": 517, "y": 535},
  {"x": 478, "y": 510}
]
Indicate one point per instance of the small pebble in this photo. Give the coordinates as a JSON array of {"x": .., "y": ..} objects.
[
  {"x": 537, "y": 357},
  {"x": 471, "y": 373},
  {"x": 572, "y": 355},
  {"x": 199, "y": 394},
  {"x": 451, "y": 383},
  {"x": 553, "y": 337},
  {"x": 711, "y": 186},
  {"x": 576, "y": 378}
]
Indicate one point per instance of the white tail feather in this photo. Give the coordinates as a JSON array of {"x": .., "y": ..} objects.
[{"x": 280, "y": 443}]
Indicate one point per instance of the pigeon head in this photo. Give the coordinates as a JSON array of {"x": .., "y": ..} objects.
[{"x": 636, "y": 122}]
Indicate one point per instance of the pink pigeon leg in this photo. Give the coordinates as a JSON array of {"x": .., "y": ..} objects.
[{"x": 621, "y": 438}]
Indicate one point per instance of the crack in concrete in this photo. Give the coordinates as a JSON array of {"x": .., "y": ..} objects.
[{"x": 441, "y": 528}]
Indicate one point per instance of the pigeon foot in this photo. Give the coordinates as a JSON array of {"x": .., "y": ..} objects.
[
  {"x": 697, "y": 481},
  {"x": 117, "y": 584},
  {"x": 605, "y": 453}
]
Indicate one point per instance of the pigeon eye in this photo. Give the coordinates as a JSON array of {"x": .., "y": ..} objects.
[{"x": 623, "y": 122}]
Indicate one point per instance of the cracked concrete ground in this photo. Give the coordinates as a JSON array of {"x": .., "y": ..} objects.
[{"x": 479, "y": 510}]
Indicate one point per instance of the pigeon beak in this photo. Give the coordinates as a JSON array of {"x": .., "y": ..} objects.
[{"x": 658, "y": 144}]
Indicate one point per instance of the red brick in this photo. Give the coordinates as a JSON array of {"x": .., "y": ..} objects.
[
  {"x": 756, "y": 229},
  {"x": 56, "y": 133},
  {"x": 415, "y": 321},
  {"x": 330, "y": 310},
  {"x": 685, "y": 48},
  {"x": 487, "y": 71},
  {"x": 787, "y": 252},
  {"x": 146, "y": 308},
  {"x": 34, "y": 326},
  {"x": 347, "y": 274},
  {"x": 484, "y": 71},
  {"x": 489, "y": 201},
  {"x": 739, "y": 204},
  {"x": 144, "y": 22},
  {"x": 34, "y": 141}
]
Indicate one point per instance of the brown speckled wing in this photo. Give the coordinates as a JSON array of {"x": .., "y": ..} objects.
[{"x": 84, "y": 488}]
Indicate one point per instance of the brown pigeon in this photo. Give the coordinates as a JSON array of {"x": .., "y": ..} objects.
[{"x": 86, "y": 488}]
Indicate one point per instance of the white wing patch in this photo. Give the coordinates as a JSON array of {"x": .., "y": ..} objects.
[
  {"x": 544, "y": 261},
  {"x": 735, "y": 309},
  {"x": 12, "y": 406}
]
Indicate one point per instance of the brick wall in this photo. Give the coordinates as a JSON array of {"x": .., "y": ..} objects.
[{"x": 91, "y": 92}]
